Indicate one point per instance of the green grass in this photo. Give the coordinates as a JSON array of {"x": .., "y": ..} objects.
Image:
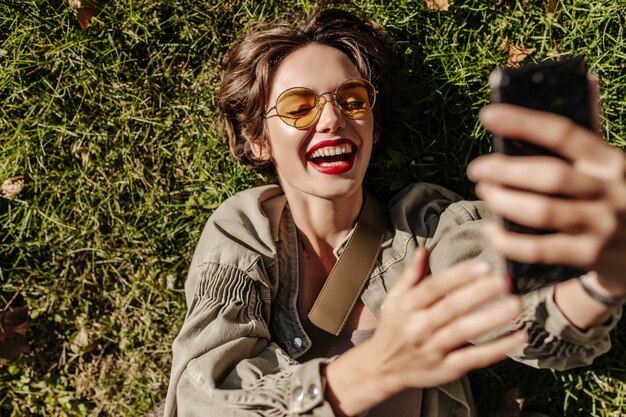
[{"x": 104, "y": 245}]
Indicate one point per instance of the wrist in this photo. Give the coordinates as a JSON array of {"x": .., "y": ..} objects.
[
  {"x": 354, "y": 383},
  {"x": 603, "y": 291},
  {"x": 610, "y": 287}
]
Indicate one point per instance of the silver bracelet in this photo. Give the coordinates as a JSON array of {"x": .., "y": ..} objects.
[{"x": 601, "y": 298}]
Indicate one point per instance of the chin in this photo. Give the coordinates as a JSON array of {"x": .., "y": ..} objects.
[
  {"x": 327, "y": 187},
  {"x": 336, "y": 191}
]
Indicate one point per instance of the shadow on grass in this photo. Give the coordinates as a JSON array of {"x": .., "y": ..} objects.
[{"x": 571, "y": 393}]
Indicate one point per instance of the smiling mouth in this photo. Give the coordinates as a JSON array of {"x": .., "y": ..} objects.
[{"x": 330, "y": 156}]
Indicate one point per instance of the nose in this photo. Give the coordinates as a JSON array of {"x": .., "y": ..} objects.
[{"x": 330, "y": 119}]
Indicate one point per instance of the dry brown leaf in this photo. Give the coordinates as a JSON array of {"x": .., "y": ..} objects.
[
  {"x": 551, "y": 6},
  {"x": 13, "y": 328},
  {"x": 556, "y": 50},
  {"x": 85, "y": 156},
  {"x": 515, "y": 53},
  {"x": 85, "y": 10},
  {"x": 437, "y": 4},
  {"x": 12, "y": 187},
  {"x": 504, "y": 45}
]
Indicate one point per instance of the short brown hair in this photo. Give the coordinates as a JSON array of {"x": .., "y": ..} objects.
[{"x": 250, "y": 64}]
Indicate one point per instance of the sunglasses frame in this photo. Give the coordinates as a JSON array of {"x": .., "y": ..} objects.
[{"x": 318, "y": 98}]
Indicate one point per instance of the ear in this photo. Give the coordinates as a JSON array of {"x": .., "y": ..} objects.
[{"x": 261, "y": 149}]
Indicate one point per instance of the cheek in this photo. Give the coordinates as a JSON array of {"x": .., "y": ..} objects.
[
  {"x": 365, "y": 129},
  {"x": 284, "y": 139}
]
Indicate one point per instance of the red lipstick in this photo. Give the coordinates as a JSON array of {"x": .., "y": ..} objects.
[{"x": 332, "y": 164}]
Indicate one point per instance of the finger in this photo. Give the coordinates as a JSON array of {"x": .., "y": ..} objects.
[
  {"x": 586, "y": 151},
  {"x": 541, "y": 174},
  {"x": 462, "y": 301},
  {"x": 463, "y": 360},
  {"x": 541, "y": 211},
  {"x": 434, "y": 287},
  {"x": 556, "y": 248},
  {"x": 476, "y": 324},
  {"x": 616, "y": 193},
  {"x": 421, "y": 262},
  {"x": 413, "y": 272}
]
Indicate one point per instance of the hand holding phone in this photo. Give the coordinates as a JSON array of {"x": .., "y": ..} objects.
[{"x": 559, "y": 87}]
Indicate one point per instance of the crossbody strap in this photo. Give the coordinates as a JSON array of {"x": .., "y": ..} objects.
[{"x": 343, "y": 286}]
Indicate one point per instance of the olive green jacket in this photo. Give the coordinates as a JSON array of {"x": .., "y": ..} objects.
[{"x": 237, "y": 351}]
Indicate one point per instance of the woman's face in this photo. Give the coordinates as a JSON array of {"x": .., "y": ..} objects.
[{"x": 306, "y": 159}]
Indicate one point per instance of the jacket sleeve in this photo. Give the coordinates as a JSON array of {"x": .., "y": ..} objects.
[
  {"x": 223, "y": 361},
  {"x": 554, "y": 341}
]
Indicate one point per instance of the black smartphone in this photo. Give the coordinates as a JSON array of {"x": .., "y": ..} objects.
[{"x": 559, "y": 87}]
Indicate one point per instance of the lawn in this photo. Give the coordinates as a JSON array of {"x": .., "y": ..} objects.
[{"x": 109, "y": 137}]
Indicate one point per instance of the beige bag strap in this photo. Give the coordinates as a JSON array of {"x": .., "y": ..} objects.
[{"x": 343, "y": 286}]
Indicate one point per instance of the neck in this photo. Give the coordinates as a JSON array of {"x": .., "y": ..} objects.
[{"x": 324, "y": 223}]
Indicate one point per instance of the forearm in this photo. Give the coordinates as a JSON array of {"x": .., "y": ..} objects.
[{"x": 580, "y": 309}]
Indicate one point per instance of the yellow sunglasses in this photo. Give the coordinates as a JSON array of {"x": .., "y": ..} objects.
[{"x": 300, "y": 106}]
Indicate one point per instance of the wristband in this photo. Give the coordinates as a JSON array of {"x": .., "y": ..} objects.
[{"x": 601, "y": 298}]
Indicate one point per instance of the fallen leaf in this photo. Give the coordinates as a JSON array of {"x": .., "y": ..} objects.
[
  {"x": 85, "y": 156},
  {"x": 84, "y": 15},
  {"x": 551, "y": 6},
  {"x": 13, "y": 328},
  {"x": 85, "y": 10},
  {"x": 12, "y": 187},
  {"x": 515, "y": 53},
  {"x": 437, "y": 4},
  {"x": 504, "y": 45},
  {"x": 80, "y": 341}
]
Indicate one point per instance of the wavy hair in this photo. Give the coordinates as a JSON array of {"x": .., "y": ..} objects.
[{"x": 251, "y": 61}]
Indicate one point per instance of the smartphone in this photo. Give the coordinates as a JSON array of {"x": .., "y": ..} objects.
[{"x": 559, "y": 87}]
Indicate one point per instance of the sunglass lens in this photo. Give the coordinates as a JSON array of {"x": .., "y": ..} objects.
[
  {"x": 356, "y": 98},
  {"x": 297, "y": 107}
]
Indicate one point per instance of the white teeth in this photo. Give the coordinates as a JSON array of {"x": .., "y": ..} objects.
[
  {"x": 332, "y": 150},
  {"x": 331, "y": 164}
]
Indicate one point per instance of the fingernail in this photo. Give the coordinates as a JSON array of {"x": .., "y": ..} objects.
[
  {"x": 481, "y": 267},
  {"x": 514, "y": 305},
  {"x": 476, "y": 170},
  {"x": 479, "y": 189},
  {"x": 489, "y": 230},
  {"x": 520, "y": 339},
  {"x": 521, "y": 336},
  {"x": 503, "y": 282},
  {"x": 485, "y": 114}
]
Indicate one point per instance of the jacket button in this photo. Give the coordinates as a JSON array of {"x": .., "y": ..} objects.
[
  {"x": 298, "y": 394},
  {"x": 314, "y": 391},
  {"x": 297, "y": 342}
]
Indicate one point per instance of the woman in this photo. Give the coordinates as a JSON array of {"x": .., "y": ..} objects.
[{"x": 309, "y": 103}]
